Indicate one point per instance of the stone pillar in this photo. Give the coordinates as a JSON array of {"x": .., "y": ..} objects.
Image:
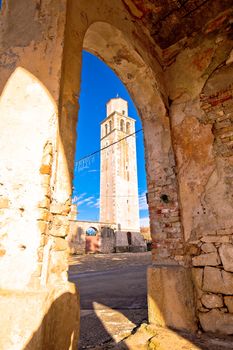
[
  {"x": 171, "y": 297},
  {"x": 170, "y": 288}
]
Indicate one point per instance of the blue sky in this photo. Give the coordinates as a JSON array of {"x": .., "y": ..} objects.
[{"x": 98, "y": 85}]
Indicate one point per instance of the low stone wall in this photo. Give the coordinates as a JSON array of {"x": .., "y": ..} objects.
[
  {"x": 77, "y": 236},
  {"x": 108, "y": 240},
  {"x": 137, "y": 243},
  {"x": 111, "y": 241},
  {"x": 213, "y": 278}
]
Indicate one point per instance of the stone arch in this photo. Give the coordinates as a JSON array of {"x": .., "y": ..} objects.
[{"x": 112, "y": 45}]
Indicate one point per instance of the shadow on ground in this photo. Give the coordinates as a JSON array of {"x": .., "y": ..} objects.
[{"x": 59, "y": 328}]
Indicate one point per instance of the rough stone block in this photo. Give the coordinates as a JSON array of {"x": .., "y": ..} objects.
[
  {"x": 197, "y": 275},
  {"x": 60, "y": 208},
  {"x": 171, "y": 297},
  {"x": 226, "y": 231},
  {"x": 59, "y": 231},
  {"x": 211, "y": 259},
  {"x": 121, "y": 242},
  {"x": 208, "y": 248},
  {"x": 43, "y": 214},
  {"x": 212, "y": 301},
  {"x": 217, "y": 322},
  {"x": 226, "y": 254},
  {"x": 60, "y": 244},
  {"x": 228, "y": 300},
  {"x": 217, "y": 281},
  {"x": 216, "y": 239}
]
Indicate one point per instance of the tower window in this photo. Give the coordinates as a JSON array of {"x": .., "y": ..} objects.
[
  {"x": 106, "y": 129},
  {"x": 123, "y": 112},
  {"x": 110, "y": 125},
  {"x": 122, "y": 125},
  {"x": 128, "y": 127}
]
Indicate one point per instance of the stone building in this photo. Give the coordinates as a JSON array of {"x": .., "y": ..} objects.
[
  {"x": 178, "y": 67},
  {"x": 118, "y": 229},
  {"x": 118, "y": 164}
]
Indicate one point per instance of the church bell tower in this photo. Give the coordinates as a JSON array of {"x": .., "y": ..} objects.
[{"x": 118, "y": 179}]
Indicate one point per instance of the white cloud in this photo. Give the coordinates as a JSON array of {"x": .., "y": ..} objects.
[
  {"x": 81, "y": 200},
  {"x": 142, "y": 201},
  {"x": 85, "y": 200},
  {"x": 144, "y": 222},
  {"x": 97, "y": 203},
  {"x": 77, "y": 198}
]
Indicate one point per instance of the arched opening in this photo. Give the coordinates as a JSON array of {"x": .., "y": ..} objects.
[
  {"x": 95, "y": 70},
  {"x": 91, "y": 231},
  {"x": 92, "y": 240},
  {"x": 47, "y": 41},
  {"x": 122, "y": 125},
  {"x": 127, "y": 127},
  {"x": 135, "y": 74},
  {"x": 139, "y": 74}
]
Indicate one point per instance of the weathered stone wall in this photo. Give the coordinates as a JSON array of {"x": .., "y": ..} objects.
[
  {"x": 183, "y": 93},
  {"x": 200, "y": 90},
  {"x": 214, "y": 266}
]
